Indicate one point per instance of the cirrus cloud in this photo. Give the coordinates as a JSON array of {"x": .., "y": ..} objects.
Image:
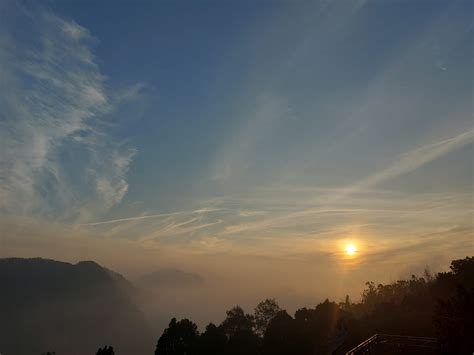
[{"x": 59, "y": 154}]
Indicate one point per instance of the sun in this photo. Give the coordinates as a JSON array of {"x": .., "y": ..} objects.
[{"x": 350, "y": 249}]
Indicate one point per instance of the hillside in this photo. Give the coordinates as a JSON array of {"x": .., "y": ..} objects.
[{"x": 68, "y": 308}]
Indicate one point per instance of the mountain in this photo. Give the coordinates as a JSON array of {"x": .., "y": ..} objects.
[
  {"x": 72, "y": 309},
  {"x": 170, "y": 278}
]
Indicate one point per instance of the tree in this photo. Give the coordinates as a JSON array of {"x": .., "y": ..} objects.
[
  {"x": 463, "y": 271},
  {"x": 323, "y": 327},
  {"x": 455, "y": 322},
  {"x": 212, "y": 341},
  {"x": 237, "y": 321},
  {"x": 106, "y": 350},
  {"x": 282, "y": 337},
  {"x": 238, "y": 329},
  {"x": 264, "y": 313},
  {"x": 403, "y": 307},
  {"x": 346, "y": 305},
  {"x": 180, "y": 338}
]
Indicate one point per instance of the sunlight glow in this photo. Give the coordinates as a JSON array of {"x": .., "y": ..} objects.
[{"x": 350, "y": 249}]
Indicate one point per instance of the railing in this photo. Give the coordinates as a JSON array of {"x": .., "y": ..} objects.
[{"x": 395, "y": 341}]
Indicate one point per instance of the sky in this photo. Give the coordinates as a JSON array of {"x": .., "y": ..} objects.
[{"x": 246, "y": 141}]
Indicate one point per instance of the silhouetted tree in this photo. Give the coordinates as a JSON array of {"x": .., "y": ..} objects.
[
  {"x": 402, "y": 307},
  {"x": 236, "y": 321},
  {"x": 213, "y": 341},
  {"x": 455, "y": 323},
  {"x": 238, "y": 329},
  {"x": 180, "y": 338},
  {"x": 454, "y": 312},
  {"x": 282, "y": 337},
  {"x": 106, "y": 350},
  {"x": 244, "y": 342},
  {"x": 263, "y": 314},
  {"x": 346, "y": 305},
  {"x": 321, "y": 327},
  {"x": 463, "y": 272}
]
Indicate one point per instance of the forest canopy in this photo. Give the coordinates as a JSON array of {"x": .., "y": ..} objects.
[{"x": 440, "y": 306}]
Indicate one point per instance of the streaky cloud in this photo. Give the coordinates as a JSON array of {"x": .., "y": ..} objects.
[
  {"x": 148, "y": 216},
  {"x": 413, "y": 160},
  {"x": 128, "y": 219}
]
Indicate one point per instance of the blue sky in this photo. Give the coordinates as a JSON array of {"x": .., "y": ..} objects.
[{"x": 240, "y": 129}]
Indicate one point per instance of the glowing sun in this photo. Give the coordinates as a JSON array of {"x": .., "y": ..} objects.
[{"x": 350, "y": 249}]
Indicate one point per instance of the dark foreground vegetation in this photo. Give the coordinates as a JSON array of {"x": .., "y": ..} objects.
[{"x": 440, "y": 306}]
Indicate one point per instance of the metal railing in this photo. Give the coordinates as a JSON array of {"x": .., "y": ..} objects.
[{"x": 395, "y": 340}]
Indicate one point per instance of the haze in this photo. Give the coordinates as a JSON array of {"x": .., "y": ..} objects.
[{"x": 292, "y": 150}]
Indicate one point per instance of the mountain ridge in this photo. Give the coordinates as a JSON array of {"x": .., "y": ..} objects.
[{"x": 50, "y": 305}]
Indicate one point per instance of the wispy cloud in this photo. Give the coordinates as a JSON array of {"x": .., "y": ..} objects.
[
  {"x": 414, "y": 159},
  {"x": 200, "y": 211},
  {"x": 128, "y": 219},
  {"x": 237, "y": 155},
  {"x": 57, "y": 158}
]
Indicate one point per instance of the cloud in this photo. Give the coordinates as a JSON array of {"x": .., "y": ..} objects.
[
  {"x": 414, "y": 159},
  {"x": 132, "y": 92},
  {"x": 128, "y": 219},
  {"x": 267, "y": 113},
  {"x": 59, "y": 156},
  {"x": 201, "y": 211}
]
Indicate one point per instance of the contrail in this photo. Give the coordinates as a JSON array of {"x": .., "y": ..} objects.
[
  {"x": 136, "y": 218},
  {"x": 412, "y": 160}
]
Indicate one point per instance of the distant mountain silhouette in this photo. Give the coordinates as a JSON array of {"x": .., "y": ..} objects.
[
  {"x": 47, "y": 305},
  {"x": 169, "y": 278}
]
